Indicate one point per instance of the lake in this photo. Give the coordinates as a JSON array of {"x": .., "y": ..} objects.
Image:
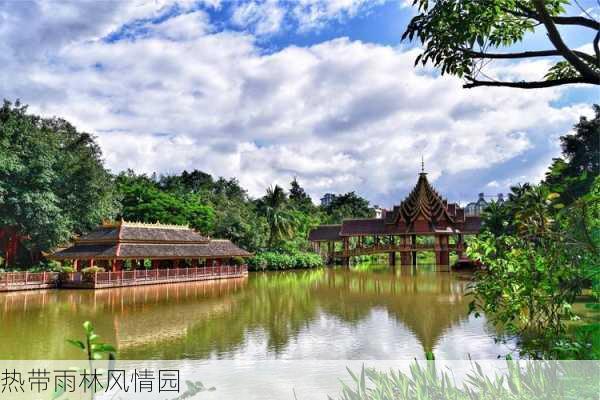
[{"x": 369, "y": 312}]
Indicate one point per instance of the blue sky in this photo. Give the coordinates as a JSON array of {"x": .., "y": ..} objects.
[{"x": 266, "y": 90}]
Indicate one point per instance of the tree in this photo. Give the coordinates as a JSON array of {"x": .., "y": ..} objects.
[
  {"x": 52, "y": 180},
  {"x": 299, "y": 198},
  {"x": 348, "y": 205},
  {"x": 572, "y": 176},
  {"x": 458, "y": 36},
  {"x": 280, "y": 222},
  {"x": 142, "y": 200},
  {"x": 541, "y": 249}
]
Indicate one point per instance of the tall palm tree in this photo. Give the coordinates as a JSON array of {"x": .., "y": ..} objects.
[{"x": 280, "y": 222}]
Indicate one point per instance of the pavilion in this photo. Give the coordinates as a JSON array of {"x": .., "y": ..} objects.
[
  {"x": 422, "y": 213},
  {"x": 135, "y": 253}
]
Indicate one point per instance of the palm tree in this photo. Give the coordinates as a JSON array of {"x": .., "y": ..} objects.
[{"x": 279, "y": 220}]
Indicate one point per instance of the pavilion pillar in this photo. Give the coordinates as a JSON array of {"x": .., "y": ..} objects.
[
  {"x": 76, "y": 265},
  {"x": 442, "y": 254},
  {"x": 92, "y": 262},
  {"x": 117, "y": 265},
  {"x": 405, "y": 256},
  {"x": 392, "y": 259},
  {"x": 346, "y": 257},
  {"x": 413, "y": 246}
]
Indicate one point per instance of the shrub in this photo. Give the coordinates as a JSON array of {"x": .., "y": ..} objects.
[
  {"x": 237, "y": 261},
  {"x": 271, "y": 260},
  {"x": 92, "y": 270}
]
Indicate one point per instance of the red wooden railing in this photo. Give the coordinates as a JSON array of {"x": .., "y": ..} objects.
[
  {"x": 103, "y": 278},
  {"x": 10, "y": 279}
]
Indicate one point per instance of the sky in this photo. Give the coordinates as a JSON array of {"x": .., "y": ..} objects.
[{"x": 268, "y": 90}]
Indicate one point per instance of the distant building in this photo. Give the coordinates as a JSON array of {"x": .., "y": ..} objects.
[
  {"x": 327, "y": 199},
  {"x": 475, "y": 208},
  {"x": 379, "y": 212}
]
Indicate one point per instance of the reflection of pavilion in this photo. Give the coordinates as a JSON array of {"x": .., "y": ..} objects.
[
  {"x": 427, "y": 304},
  {"x": 145, "y": 315}
]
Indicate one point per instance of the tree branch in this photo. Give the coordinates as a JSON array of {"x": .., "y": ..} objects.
[
  {"x": 581, "y": 21},
  {"x": 597, "y": 49},
  {"x": 585, "y": 70},
  {"x": 524, "y": 54},
  {"x": 524, "y": 85},
  {"x": 560, "y": 20},
  {"x": 528, "y": 54}
]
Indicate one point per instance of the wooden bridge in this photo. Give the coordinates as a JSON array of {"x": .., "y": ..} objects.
[
  {"x": 395, "y": 248},
  {"x": 423, "y": 221}
]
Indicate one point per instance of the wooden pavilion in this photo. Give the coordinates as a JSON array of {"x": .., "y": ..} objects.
[
  {"x": 158, "y": 252},
  {"x": 423, "y": 213}
]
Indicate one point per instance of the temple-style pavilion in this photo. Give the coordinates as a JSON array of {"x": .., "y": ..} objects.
[{"x": 423, "y": 213}]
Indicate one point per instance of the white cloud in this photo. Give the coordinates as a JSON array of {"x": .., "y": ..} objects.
[
  {"x": 266, "y": 17},
  {"x": 341, "y": 115}
]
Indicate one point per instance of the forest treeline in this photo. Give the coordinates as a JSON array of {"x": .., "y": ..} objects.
[{"x": 54, "y": 186}]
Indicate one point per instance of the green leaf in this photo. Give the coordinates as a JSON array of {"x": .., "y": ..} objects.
[
  {"x": 87, "y": 325},
  {"x": 76, "y": 343}
]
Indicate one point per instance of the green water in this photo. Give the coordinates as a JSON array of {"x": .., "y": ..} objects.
[{"x": 363, "y": 313}]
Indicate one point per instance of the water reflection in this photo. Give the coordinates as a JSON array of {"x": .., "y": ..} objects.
[{"x": 322, "y": 314}]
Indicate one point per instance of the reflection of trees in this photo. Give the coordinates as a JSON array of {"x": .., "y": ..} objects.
[{"x": 214, "y": 319}]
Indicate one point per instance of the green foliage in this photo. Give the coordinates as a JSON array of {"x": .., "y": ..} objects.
[
  {"x": 573, "y": 175},
  {"x": 456, "y": 35},
  {"x": 92, "y": 270},
  {"x": 91, "y": 345},
  {"x": 524, "y": 287},
  {"x": 541, "y": 250},
  {"x": 281, "y": 261},
  {"x": 348, "y": 205},
  {"x": 273, "y": 206},
  {"x": 299, "y": 199},
  {"x": 52, "y": 181},
  {"x": 424, "y": 380},
  {"x": 143, "y": 200}
]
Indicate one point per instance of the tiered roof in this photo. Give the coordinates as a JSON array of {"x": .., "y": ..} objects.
[
  {"x": 131, "y": 240},
  {"x": 423, "y": 201},
  {"x": 422, "y": 211}
]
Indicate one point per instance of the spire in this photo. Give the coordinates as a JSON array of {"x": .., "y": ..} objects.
[
  {"x": 424, "y": 200},
  {"x": 422, "y": 164}
]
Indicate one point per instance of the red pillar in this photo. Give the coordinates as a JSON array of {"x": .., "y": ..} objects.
[
  {"x": 76, "y": 265},
  {"x": 117, "y": 265}
]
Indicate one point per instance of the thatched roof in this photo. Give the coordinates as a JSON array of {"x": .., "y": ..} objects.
[{"x": 126, "y": 240}]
